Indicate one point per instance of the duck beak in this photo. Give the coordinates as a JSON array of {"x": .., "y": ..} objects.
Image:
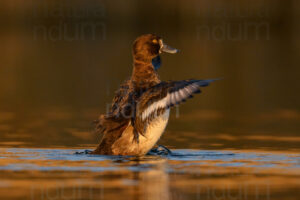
[{"x": 166, "y": 48}]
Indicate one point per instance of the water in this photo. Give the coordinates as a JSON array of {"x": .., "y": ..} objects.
[{"x": 186, "y": 174}]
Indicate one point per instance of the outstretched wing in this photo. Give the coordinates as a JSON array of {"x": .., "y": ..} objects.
[{"x": 163, "y": 96}]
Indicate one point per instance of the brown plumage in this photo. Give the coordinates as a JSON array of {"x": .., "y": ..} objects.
[{"x": 140, "y": 108}]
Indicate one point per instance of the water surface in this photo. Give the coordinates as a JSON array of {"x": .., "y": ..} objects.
[{"x": 34, "y": 173}]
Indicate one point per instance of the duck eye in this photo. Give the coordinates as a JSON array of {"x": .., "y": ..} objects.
[{"x": 155, "y": 41}]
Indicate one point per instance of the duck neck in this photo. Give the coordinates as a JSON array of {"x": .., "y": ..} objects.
[{"x": 144, "y": 75}]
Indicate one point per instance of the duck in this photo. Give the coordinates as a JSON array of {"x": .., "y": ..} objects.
[{"x": 140, "y": 109}]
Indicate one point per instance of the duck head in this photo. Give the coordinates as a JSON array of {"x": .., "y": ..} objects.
[{"x": 147, "y": 48}]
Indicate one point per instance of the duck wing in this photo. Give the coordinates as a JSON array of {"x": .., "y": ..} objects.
[
  {"x": 162, "y": 96},
  {"x": 112, "y": 124},
  {"x": 116, "y": 116}
]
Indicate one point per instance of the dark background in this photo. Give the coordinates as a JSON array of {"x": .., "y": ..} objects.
[{"x": 61, "y": 61}]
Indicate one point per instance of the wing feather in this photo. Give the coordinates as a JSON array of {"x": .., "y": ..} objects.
[{"x": 168, "y": 94}]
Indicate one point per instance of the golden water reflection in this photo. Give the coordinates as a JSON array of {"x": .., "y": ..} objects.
[
  {"x": 203, "y": 129},
  {"x": 60, "y": 174}
]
